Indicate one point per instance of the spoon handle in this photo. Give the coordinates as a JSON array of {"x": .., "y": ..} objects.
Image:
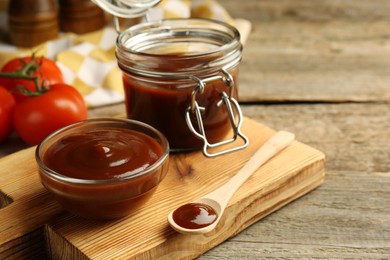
[{"x": 273, "y": 146}]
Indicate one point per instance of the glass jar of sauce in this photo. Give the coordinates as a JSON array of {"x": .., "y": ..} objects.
[{"x": 180, "y": 76}]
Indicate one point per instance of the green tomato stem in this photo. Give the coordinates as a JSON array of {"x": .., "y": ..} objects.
[{"x": 24, "y": 74}]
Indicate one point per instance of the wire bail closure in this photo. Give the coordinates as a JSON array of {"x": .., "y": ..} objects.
[
  {"x": 232, "y": 107},
  {"x": 126, "y": 9}
]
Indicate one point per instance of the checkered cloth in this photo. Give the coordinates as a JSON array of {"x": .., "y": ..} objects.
[{"x": 88, "y": 61}]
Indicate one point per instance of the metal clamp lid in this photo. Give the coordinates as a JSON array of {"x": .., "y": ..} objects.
[
  {"x": 232, "y": 107},
  {"x": 125, "y": 8}
]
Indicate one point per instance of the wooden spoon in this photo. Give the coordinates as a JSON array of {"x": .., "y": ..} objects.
[{"x": 219, "y": 198}]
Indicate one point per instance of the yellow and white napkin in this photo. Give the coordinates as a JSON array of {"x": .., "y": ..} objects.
[{"x": 88, "y": 61}]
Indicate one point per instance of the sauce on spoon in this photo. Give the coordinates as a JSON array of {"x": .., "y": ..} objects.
[
  {"x": 195, "y": 215},
  {"x": 218, "y": 199}
]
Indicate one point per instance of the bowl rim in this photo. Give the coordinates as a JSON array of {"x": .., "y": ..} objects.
[{"x": 71, "y": 180}]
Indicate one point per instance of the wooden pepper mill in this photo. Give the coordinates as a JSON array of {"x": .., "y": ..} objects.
[
  {"x": 32, "y": 22},
  {"x": 80, "y": 16}
]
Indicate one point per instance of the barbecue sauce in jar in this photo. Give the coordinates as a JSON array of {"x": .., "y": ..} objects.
[
  {"x": 163, "y": 106},
  {"x": 173, "y": 66}
]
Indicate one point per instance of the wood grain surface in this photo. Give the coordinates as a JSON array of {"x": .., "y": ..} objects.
[
  {"x": 32, "y": 218},
  {"x": 319, "y": 69},
  {"x": 332, "y": 50},
  {"x": 348, "y": 216}
]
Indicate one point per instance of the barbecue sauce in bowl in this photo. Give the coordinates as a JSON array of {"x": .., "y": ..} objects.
[
  {"x": 102, "y": 154},
  {"x": 103, "y": 168}
]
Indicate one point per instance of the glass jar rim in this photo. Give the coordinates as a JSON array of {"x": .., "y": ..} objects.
[
  {"x": 62, "y": 131},
  {"x": 214, "y": 44},
  {"x": 167, "y": 26}
]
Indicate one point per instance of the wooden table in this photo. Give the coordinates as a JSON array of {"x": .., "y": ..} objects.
[{"x": 320, "y": 69}]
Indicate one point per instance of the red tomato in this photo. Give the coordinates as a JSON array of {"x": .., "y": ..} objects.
[
  {"x": 37, "y": 116},
  {"x": 47, "y": 70},
  {"x": 7, "y": 105}
]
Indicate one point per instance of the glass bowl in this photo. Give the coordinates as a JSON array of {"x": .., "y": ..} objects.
[{"x": 103, "y": 168}]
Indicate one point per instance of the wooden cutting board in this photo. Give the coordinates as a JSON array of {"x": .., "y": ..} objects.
[{"x": 33, "y": 225}]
